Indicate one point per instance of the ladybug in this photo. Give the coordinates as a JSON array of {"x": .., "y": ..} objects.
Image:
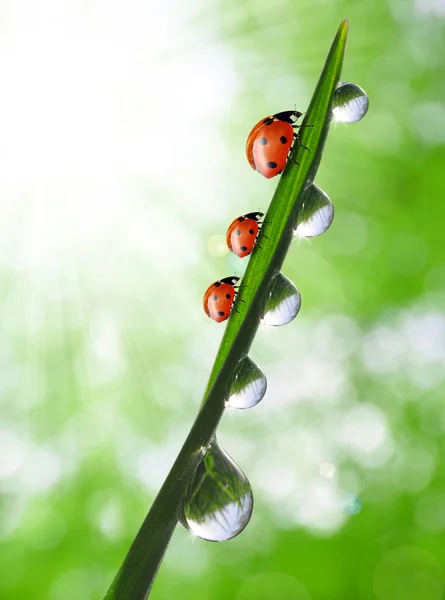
[
  {"x": 219, "y": 298},
  {"x": 242, "y": 233},
  {"x": 270, "y": 141}
]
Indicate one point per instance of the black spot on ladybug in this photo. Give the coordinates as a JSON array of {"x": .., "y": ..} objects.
[
  {"x": 240, "y": 219},
  {"x": 283, "y": 139},
  {"x": 228, "y": 296},
  {"x": 220, "y": 313},
  {"x": 271, "y": 164},
  {"x": 217, "y": 284},
  {"x": 262, "y": 140},
  {"x": 243, "y": 248},
  {"x": 251, "y": 231},
  {"x": 237, "y": 232},
  {"x": 268, "y": 121},
  {"x": 214, "y": 297}
]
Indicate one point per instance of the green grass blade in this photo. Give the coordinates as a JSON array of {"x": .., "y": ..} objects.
[{"x": 138, "y": 571}]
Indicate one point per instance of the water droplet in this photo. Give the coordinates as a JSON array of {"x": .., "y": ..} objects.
[
  {"x": 283, "y": 302},
  {"x": 316, "y": 215},
  {"x": 350, "y": 103},
  {"x": 249, "y": 385},
  {"x": 218, "y": 502}
]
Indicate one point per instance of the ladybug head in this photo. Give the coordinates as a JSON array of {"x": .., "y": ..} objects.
[
  {"x": 289, "y": 116},
  {"x": 230, "y": 280},
  {"x": 255, "y": 216}
]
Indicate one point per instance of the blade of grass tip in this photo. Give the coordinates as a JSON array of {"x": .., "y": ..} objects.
[
  {"x": 135, "y": 578},
  {"x": 282, "y": 213}
]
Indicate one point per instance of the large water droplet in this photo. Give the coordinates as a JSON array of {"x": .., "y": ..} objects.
[
  {"x": 218, "y": 502},
  {"x": 350, "y": 103},
  {"x": 249, "y": 385},
  {"x": 316, "y": 215},
  {"x": 283, "y": 302}
]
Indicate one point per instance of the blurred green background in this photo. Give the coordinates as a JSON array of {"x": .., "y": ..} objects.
[{"x": 121, "y": 157}]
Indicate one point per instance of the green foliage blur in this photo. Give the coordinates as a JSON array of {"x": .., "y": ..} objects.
[{"x": 122, "y": 164}]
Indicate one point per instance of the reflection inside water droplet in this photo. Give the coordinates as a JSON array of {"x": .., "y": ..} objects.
[
  {"x": 249, "y": 385},
  {"x": 316, "y": 215},
  {"x": 283, "y": 302},
  {"x": 218, "y": 502},
  {"x": 350, "y": 103}
]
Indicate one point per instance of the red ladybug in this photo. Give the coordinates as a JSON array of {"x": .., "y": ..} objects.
[
  {"x": 270, "y": 141},
  {"x": 242, "y": 233},
  {"x": 219, "y": 298}
]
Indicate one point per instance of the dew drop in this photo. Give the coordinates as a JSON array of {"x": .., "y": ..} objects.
[
  {"x": 283, "y": 302},
  {"x": 350, "y": 103},
  {"x": 218, "y": 502},
  {"x": 316, "y": 215},
  {"x": 249, "y": 385}
]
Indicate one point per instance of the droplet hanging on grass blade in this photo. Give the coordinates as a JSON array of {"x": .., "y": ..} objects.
[
  {"x": 283, "y": 302},
  {"x": 350, "y": 103},
  {"x": 218, "y": 502},
  {"x": 316, "y": 215},
  {"x": 249, "y": 385}
]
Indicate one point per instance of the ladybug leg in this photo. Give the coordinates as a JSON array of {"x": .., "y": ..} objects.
[
  {"x": 301, "y": 126},
  {"x": 298, "y": 141},
  {"x": 263, "y": 234},
  {"x": 291, "y": 157},
  {"x": 260, "y": 230}
]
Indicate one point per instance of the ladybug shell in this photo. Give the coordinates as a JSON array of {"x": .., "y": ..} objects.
[
  {"x": 242, "y": 233},
  {"x": 252, "y": 137},
  {"x": 219, "y": 297},
  {"x": 268, "y": 146},
  {"x": 287, "y": 116}
]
